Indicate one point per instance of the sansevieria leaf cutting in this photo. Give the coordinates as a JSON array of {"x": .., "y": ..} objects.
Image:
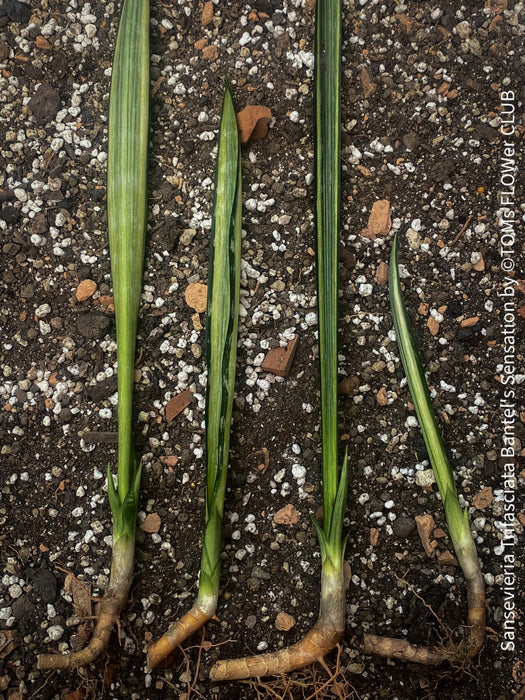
[
  {"x": 126, "y": 204},
  {"x": 221, "y": 352},
  {"x": 457, "y": 519},
  {"x": 330, "y": 625}
]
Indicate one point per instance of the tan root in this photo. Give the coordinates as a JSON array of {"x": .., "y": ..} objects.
[
  {"x": 180, "y": 631},
  {"x": 313, "y": 647},
  {"x": 109, "y": 610},
  {"x": 455, "y": 654}
]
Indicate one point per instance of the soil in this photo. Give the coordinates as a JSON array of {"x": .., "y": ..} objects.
[{"x": 421, "y": 118}]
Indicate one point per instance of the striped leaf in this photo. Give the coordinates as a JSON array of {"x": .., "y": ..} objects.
[
  {"x": 456, "y": 519},
  {"x": 221, "y": 332},
  {"x": 126, "y": 204},
  {"x": 327, "y": 118}
]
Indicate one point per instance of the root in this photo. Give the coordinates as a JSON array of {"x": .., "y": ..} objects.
[
  {"x": 109, "y": 612},
  {"x": 460, "y": 654},
  {"x": 110, "y": 608},
  {"x": 390, "y": 648},
  {"x": 311, "y": 648},
  {"x": 177, "y": 633}
]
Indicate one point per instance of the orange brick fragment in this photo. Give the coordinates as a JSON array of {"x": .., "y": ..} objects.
[
  {"x": 42, "y": 43},
  {"x": 177, "y": 404},
  {"x": 207, "y": 13},
  {"x": 253, "y": 122},
  {"x": 279, "y": 360}
]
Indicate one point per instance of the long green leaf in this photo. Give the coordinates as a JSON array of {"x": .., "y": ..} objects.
[
  {"x": 126, "y": 203},
  {"x": 327, "y": 220},
  {"x": 416, "y": 380},
  {"x": 221, "y": 331},
  {"x": 457, "y": 520}
]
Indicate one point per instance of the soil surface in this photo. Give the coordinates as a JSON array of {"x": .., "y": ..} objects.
[{"x": 421, "y": 118}]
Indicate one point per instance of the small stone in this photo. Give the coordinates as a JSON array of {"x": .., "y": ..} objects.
[
  {"x": 151, "y": 524},
  {"x": 42, "y": 310},
  {"x": 382, "y": 397},
  {"x": 479, "y": 266},
  {"x": 356, "y": 668},
  {"x": 463, "y": 30},
  {"x": 187, "y": 236},
  {"x": 196, "y": 296},
  {"x": 251, "y": 621},
  {"x": 289, "y": 515},
  {"x": 446, "y": 558},
  {"x": 284, "y": 622},
  {"x": 85, "y": 290},
  {"x": 403, "y": 526},
  {"x": 177, "y": 404},
  {"x": 379, "y": 222},
  {"x": 15, "y": 590},
  {"x": 432, "y": 325},
  {"x": 374, "y": 536},
  {"x": 425, "y": 478},
  {"x": 483, "y": 499},
  {"x": 382, "y": 273},
  {"x": 55, "y": 632},
  {"x": 414, "y": 239},
  {"x": 260, "y": 573},
  {"x": 210, "y": 53},
  {"x": 207, "y": 13}
]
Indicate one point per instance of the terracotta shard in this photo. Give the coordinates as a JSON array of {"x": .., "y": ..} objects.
[
  {"x": 177, "y": 404},
  {"x": 432, "y": 325},
  {"x": 382, "y": 273},
  {"x": 207, "y": 13},
  {"x": 382, "y": 397},
  {"x": 379, "y": 222},
  {"x": 196, "y": 295},
  {"x": 253, "y": 122},
  {"x": 210, "y": 52},
  {"x": 289, "y": 515},
  {"x": 446, "y": 558},
  {"x": 278, "y": 361},
  {"x": 151, "y": 524},
  {"x": 284, "y": 622},
  {"x": 483, "y": 499},
  {"x": 85, "y": 290}
]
